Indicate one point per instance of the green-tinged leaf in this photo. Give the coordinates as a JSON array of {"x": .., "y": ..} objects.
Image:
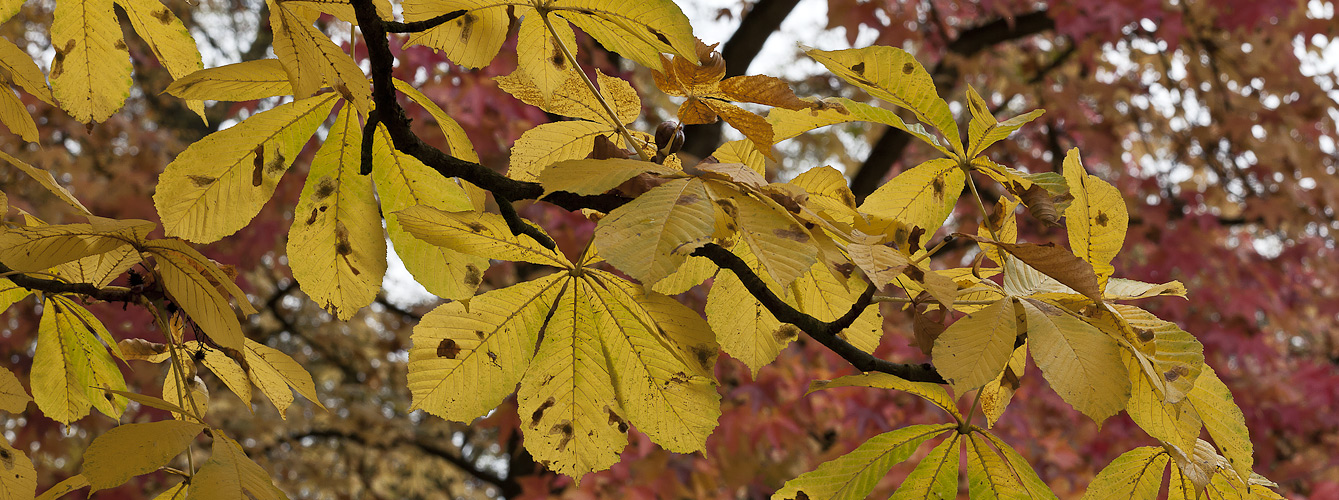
[
  {"x": 131, "y": 450},
  {"x": 38, "y": 248},
  {"x": 274, "y": 373},
  {"x": 71, "y": 366},
  {"x": 787, "y": 123},
  {"x": 90, "y": 74},
  {"x": 196, "y": 294},
  {"x": 18, "y": 479},
  {"x": 1224, "y": 421},
  {"x": 168, "y": 38},
  {"x": 1136, "y": 475},
  {"x": 892, "y": 74},
  {"x": 337, "y": 226},
  {"x": 988, "y": 477},
  {"x": 1177, "y": 424},
  {"x": 1123, "y": 289},
  {"x": 1096, "y": 220},
  {"x": 1080, "y": 362},
  {"x": 464, "y": 361},
  {"x": 1179, "y": 358},
  {"x": 220, "y": 183},
  {"x": 984, "y": 129},
  {"x": 569, "y": 411},
  {"x": 936, "y": 476},
  {"x": 592, "y": 177},
  {"x": 458, "y": 144},
  {"x": 651, "y": 236},
  {"x": 44, "y": 178},
  {"x": 922, "y": 196},
  {"x": 1021, "y": 469},
  {"x": 550, "y": 143},
  {"x": 402, "y": 182},
  {"x": 13, "y": 398},
  {"x": 480, "y": 234},
  {"x": 974, "y": 349},
  {"x": 151, "y": 402},
  {"x": 60, "y": 489},
  {"x": 854, "y": 475},
  {"x": 14, "y": 115},
  {"x": 230, "y": 474},
  {"x": 243, "y": 81},
  {"x": 20, "y": 70},
  {"x": 934, "y": 393}
]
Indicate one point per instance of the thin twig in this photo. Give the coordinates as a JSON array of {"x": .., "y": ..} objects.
[{"x": 424, "y": 25}]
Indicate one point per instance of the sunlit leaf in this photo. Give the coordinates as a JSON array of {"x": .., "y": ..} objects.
[
  {"x": 854, "y": 475},
  {"x": 934, "y": 393},
  {"x": 1080, "y": 362},
  {"x": 984, "y": 129},
  {"x": 243, "y": 81},
  {"x": 18, "y": 479},
  {"x": 480, "y": 234},
  {"x": 168, "y": 38},
  {"x": 652, "y": 235},
  {"x": 921, "y": 196},
  {"x": 1136, "y": 474},
  {"x": 71, "y": 366},
  {"x": 936, "y": 476},
  {"x": 974, "y": 349},
  {"x": 90, "y": 74},
  {"x": 230, "y": 474},
  {"x": 987, "y": 475},
  {"x": 131, "y": 450},
  {"x": 1224, "y": 420},
  {"x": 274, "y": 373},
  {"x": 1097, "y": 218},
  {"x": 13, "y": 398}
]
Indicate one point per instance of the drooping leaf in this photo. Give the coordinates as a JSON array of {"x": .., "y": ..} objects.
[
  {"x": 996, "y": 394},
  {"x": 1123, "y": 289},
  {"x": 540, "y": 53},
  {"x": 44, "y": 178},
  {"x": 402, "y": 182},
  {"x": 71, "y": 366},
  {"x": 745, "y": 328},
  {"x": 191, "y": 396},
  {"x": 892, "y": 74},
  {"x": 1224, "y": 420},
  {"x": 1002, "y": 226},
  {"x": 38, "y": 248},
  {"x": 466, "y": 360},
  {"x": 22, "y": 71},
  {"x": 592, "y": 177},
  {"x": 1080, "y": 362},
  {"x": 227, "y": 369},
  {"x": 220, "y": 183},
  {"x": 936, "y": 476},
  {"x": 1179, "y": 357},
  {"x": 18, "y": 479},
  {"x": 1136, "y": 475},
  {"x": 230, "y": 474},
  {"x": 168, "y": 38},
  {"x": 934, "y": 393},
  {"x": 828, "y": 192},
  {"x": 243, "y": 81},
  {"x": 337, "y": 226},
  {"x": 14, "y": 115},
  {"x": 1021, "y": 469},
  {"x": 196, "y": 294},
  {"x": 651, "y": 236},
  {"x": 1177, "y": 424},
  {"x": 13, "y": 398},
  {"x": 921, "y": 196},
  {"x": 458, "y": 144},
  {"x": 984, "y": 129},
  {"x": 780, "y": 243},
  {"x": 274, "y": 373},
  {"x": 1097, "y": 218},
  {"x": 854, "y": 475},
  {"x": 974, "y": 349},
  {"x": 310, "y": 58},
  {"x": 987, "y": 475},
  {"x": 480, "y": 234},
  {"x": 881, "y": 264},
  {"x": 826, "y": 297},
  {"x": 1057, "y": 263},
  {"x": 788, "y": 123},
  {"x": 90, "y": 75},
  {"x": 131, "y": 450},
  {"x": 60, "y": 489}
]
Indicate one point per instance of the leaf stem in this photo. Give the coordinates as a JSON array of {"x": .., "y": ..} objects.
[
  {"x": 971, "y": 412},
  {"x": 562, "y": 46},
  {"x": 985, "y": 219}
]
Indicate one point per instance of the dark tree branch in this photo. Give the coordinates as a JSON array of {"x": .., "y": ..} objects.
[
  {"x": 424, "y": 25},
  {"x": 763, "y": 19},
  {"x": 888, "y": 149},
  {"x": 825, "y": 333},
  {"x": 425, "y": 445},
  {"x": 55, "y": 287}
]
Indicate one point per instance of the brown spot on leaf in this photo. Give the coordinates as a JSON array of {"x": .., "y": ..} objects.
[
  {"x": 938, "y": 186},
  {"x": 616, "y": 420},
  {"x": 728, "y": 206},
  {"x": 163, "y": 16},
  {"x": 1176, "y": 373},
  {"x": 704, "y": 356},
  {"x": 557, "y": 56},
  {"x": 58, "y": 64},
  {"x": 258, "y": 173},
  {"x": 479, "y": 334},
  {"x": 794, "y": 232},
  {"x": 120, "y": 45},
  {"x": 448, "y": 349},
  {"x": 564, "y": 428},
  {"x": 908, "y": 68},
  {"x": 914, "y": 239},
  {"x": 473, "y": 276},
  {"x": 466, "y": 24},
  {"x": 312, "y": 219},
  {"x": 1101, "y": 219},
  {"x": 687, "y": 199},
  {"x": 1144, "y": 334},
  {"x": 785, "y": 333},
  {"x": 342, "y": 245},
  {"x": 492, "y": 356},
  {"x": 659, "y": 36},
  {"x": 846, "y": 268},
  {"x": 276, "y": 164},
  {"x": 324, "y": 188},
  {"x": 476, "y": 227},
  {"x": 201, "y": 180},
  {"x": 539, "y": 412},
  {"x": 859, "y": 68}
]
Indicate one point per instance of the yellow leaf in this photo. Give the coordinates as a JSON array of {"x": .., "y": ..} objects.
[
  {"x": 1179, "y": 358},
  {"x": 131, "y": 450},
  {"x": 746, "y": 330},
  {"x": 1136, "y": 474},
  {"x": 39, "y": 248},
  {"x": 1097, "y": 218},
  {"x": 825, "y": 297},
  {"x": 243, "y": 81},
  {"x": 984, "y": 129},
  {"x": 18, "y": 479},
  {"x": 152, "y": 402},
  {"x": 99, "y": 270},
  {"x": 466, "y": 360},
  {"x": 458, "y": 144},
  {"x": 996, "y": 394},
  {"x": 592, "y": 177},
  {"x": 176, "y": 492},
  {"x": 639, "y": 31},
  {"x": 47, "y": 181},
  {"x": 974, "y": 349},
  {"x": 539, "y": 54},
  {"x": 343, "y": 9},
  {"x": 936, "y": 476},
  {"x": 1080, "y": 362},
  {"x": 660, "y": 358},
  {"x": 196, "y": 295},
  {"x": 779, "y": 242},
  {"x": 71, "y": 366},
  {"x": 652, "y": 235},
  {"x": 1006, "y": 222},
  {"x": 13, "y": 398},
  {"x": 550, "y": 143},
  {"x": 226, "y": 369},
  {"x": 143, "y": 350},
  {"x": 14, "y": 115},
  {"x": 206, "y": 267},
  {"x": 922, "y": 196},
  {"x": 309, "y": 57},
  {"x": 828, "y": 192},
  {"x": 402, "y": 182},
  {"x": 854, "y": 475},
  {"x": 881, "y": 264},
  {"x": 570, "y": 414},
  {"x": 691, "y": 273},
  {"x": 1176, "y": 424},
  {"x": 892, "y": 74},
  {"x": 470, "y": 40},
  {"x": 90, "y": 75},
  {"x": 11, "y": 294},
  {"x": 337, "y": 226},
  {"x": 987, "y": 475},
  {"x": 742, "y": 151},
  {"x": 1123, "y": 289},
  {"x": 1224, "y": 421},
  {"x": 274, "y": 372},
  {"x": 221, "y": 182},
  {"x": 168, "y": 38},
  {"x": 1021, "y": 469},
  {"x": 229, "y": 475},
  {"x": 787, "y": 123},
  {"x": 191, "y": 399},
  {"x": 20, "y": 70},
  {"x": 479, "y": 234},
  {"x": 60, "y": 489},
  {"x": 934, "y": 393}
]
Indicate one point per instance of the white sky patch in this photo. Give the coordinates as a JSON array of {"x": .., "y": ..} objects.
[{"x": 400, "y": 287}]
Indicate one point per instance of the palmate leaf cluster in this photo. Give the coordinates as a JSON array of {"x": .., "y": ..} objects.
[{"x": 599, "y": 346}]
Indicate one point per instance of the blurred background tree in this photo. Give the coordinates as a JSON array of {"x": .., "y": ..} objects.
[{"x": 1217, "y": 119}]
